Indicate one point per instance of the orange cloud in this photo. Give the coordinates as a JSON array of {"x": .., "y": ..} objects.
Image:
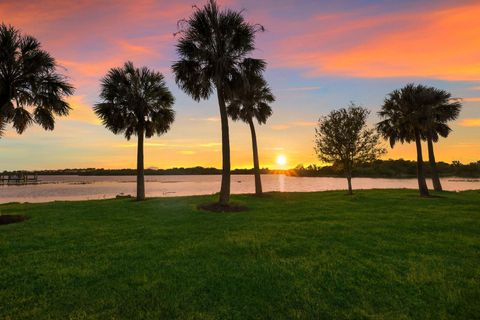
[
  {"x": 90, "y": 69},
  {"x": 81, "y": 111},
  {"x": 284, "y": 126},
  {"x": 471, "y": 122},
  {"x": 89, "y": 37},
  {"x": 304, "y": 123},
  {"x": 472, "y": 99},
  {"x": 280, "y": 126},
  {"x": 34, "y": 15},
  {"x": 133, "y": 48},
  {"x": 209, "y": 145},
  {"x": 439, "y": 44},
  {"x": 211, "y": 119}
]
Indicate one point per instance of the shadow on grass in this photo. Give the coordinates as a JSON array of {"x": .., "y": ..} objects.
[
  {"x": 218, "y": 207},
  {"x": 11, "y": 218}
]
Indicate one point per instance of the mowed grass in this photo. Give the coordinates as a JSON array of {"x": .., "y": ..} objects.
[{"x": 380, "y": 254}]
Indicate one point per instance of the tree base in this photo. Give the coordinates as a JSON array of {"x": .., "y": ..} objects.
[
  {"x": 123, "y": 196},
  {"x": 218, "y": 207},
  {"x": 7, "y": 219},
  {"x": 262, "y": 195},
  {"x": 433, "y": 196}
]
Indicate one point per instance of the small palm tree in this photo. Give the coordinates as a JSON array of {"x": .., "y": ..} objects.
[
  {"x": 251, "y": 101},
  {"x": 29, "y": 79},
  {"x": 403, "y": 123},
  {"x": 136, "y": 102},
  {"x": 440, "y": 109},
  {"x": 211, "y": 47}
]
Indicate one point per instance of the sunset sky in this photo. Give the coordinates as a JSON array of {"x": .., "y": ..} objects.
[{"x": 321, "y": 55}]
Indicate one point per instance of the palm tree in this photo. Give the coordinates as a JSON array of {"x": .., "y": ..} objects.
[
  {"x": 251, "y": 100},
  {"x": 29, "y": 79},
  {"x": 403, "y": 123},
  {"x": 136, "y": 102},
  {"x": 440, "y": 109},
  {"x": 211, "y": 46}
]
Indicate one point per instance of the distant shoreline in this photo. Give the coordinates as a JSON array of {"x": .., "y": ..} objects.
[
  {"x": 463, "y": 178},
  {"x": 397, "y": 169}
]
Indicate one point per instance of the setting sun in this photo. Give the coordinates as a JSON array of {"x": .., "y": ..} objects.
[{"x": 281, "y": 160}]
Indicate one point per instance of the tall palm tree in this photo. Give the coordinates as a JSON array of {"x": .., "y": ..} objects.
[
  {"x": 211, "y": 46},
  {"x": 136, "y": 102},
  {"x": 251, "y": 101},
  {"x": 440, "y": 109},
  {"x": 29, "y": 79},
  {"x": 403, "y": 123}
]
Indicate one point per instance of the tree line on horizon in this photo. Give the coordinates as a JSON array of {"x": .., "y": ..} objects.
[
  {"x": 391, "y": 168},
  {"x": 214, "y": 49}
]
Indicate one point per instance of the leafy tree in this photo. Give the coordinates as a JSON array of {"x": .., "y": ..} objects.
[
  {"x": 136, "y": 102},
  {"x": 342, "y": 138},
  {"x": 403, "y": 122},
  {"x": 456, "y": 163},
  {"x": 439, "y": 109},
  {"x": 251, "y": 101},
  {"x": 29, "y": 79},
  {"x": 211, "y": 47}
]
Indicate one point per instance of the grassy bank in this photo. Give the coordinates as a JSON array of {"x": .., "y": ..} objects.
[{"x": 383, "y": 254}]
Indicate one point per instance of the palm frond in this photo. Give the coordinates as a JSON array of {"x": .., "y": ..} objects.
[
  {"x": 135, "y": 101},
  {"x": 212, "y": 44},
  {"x": 249, "y": 96},
  {"x": 426, "y": 109},
  {"x": 29, "y": 79}
]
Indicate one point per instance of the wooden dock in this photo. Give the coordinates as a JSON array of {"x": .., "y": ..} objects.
[{"x": 19, "y": 178}]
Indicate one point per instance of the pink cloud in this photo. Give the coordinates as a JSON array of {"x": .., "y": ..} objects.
[{"x": 438, "y": 44}]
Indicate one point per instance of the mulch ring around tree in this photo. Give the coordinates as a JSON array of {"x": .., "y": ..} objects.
[
  {"x": 10, "y": 218},
  {"x": 217, "y": 207}
]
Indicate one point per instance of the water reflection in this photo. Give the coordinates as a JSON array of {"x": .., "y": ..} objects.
[
  {"x": 281, "y": 182},
  {"x": 97, "y": 187}
]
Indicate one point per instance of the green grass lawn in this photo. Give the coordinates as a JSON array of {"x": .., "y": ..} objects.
[{"x": 376, "y": 255}]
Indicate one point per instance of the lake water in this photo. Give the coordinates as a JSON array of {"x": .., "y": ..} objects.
[{"x": 52, "y": 188}]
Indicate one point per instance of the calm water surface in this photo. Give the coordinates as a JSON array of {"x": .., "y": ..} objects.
[{"x": 52, "y": 188}]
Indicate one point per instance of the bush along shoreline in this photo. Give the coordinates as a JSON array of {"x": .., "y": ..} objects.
[{"x": 396, "y": 169}]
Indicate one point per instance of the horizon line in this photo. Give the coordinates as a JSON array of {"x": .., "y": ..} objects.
[{"x": 219, "y": 169}]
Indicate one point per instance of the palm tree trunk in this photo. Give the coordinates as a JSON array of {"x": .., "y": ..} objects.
[
  {"x": 422, "y": 184},
  {"x": 225, "y": 187},
  {"x": 256, "y": 164},
  {"x": 437, "y": 186},
  {"x": 140, "y": 168}
]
